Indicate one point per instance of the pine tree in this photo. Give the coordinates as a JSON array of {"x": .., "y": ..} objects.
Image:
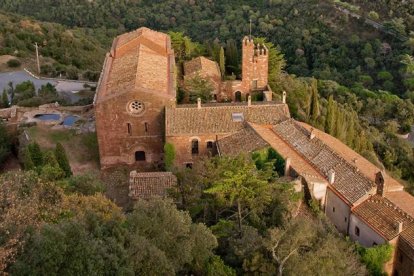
[
  {"x": 222, "y": 63},
  {"x": 62, "y": 159},
  {"x": 4, "y": 100},
  {"x": 330, "y": 116}
]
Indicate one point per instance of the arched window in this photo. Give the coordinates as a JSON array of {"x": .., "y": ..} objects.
[
  {"x": 210, "y": 145},
  {"x": 140, "y": 156},
  {"x": 238, "y": 96},
  {"x": 194, "y": 146},
  {"x": 129, "y": 128}
]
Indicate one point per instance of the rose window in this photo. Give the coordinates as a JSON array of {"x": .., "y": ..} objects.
[{"x": 136, "y": 107}]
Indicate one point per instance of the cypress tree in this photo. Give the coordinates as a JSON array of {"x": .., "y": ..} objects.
[
  {"x": 340, "y": 125},
  {"x": 350, "y": 132},
  {"x": 62, "y": 159},
  {"x": 314, "y": 101},
  {"x": 27, "y": 160},
  {"x": 4, "y": 100},
  {"x": 232, "y": 57},
  {"x": 330, "y": 116},
  {"x": 222, "y": 62},
  {"x": 36, "y": 154}
]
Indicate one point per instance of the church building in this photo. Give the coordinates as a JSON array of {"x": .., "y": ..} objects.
[{"x": 137, "y": 114}]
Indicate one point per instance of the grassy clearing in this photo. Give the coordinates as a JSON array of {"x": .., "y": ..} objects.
[{"x": 82, "y": 149}]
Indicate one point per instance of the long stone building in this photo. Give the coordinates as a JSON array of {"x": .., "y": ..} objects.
[{"x": 136, "y": 114}]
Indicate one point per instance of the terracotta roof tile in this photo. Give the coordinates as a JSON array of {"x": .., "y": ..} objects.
[
  {"x": 245, "y": 140},
  {"x": 383, "y": 216},
  {"x": 219, "y": 118},
  {"x": 402, "y": 200},
  {"x": 201, "y": 65},
  {"x": 406, "y": 241},
  {"x": 148, "y": 184},
  {"x": 349, "y": 182},
  {"x": 365, "y": 167},
  {"x": 298, "y": 162},
  {"x": 142, "y": 59}
]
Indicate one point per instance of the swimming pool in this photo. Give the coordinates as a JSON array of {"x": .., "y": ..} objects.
[
  {"x": 47, "y": 117},
  {"x": 70, "y": 120}
]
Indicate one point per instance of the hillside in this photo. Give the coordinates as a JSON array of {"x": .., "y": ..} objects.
[
  {"x": 316, "y": 39},
  {"x": 383, "y": 10},
  {"x": 72, "y": 52}
]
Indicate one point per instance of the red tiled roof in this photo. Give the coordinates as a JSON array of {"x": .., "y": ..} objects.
[
  {"x": 245, "y": 140},
  {"x": 349, "y": 181},
  {"x": 364, "y": 166},
  {"x": 141, "y": 59},
  {"x": 298, "y": 162},
  {"x": 218, "y": 118},
  {"x": 203, "y": 66},
  {"x": 383, "y": 216},
  {"x": 406, "y": 241},
  {"x": 148, "y": 184},
  {"x": 402, "y": 200}
]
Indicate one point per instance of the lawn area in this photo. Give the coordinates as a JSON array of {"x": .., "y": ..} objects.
[{"x": 82, "y": 149}]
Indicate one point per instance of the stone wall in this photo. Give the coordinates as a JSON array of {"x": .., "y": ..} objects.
[
  {"x": 367, "y": 237},
  {"x": 182, "y": 146},
  {"x": 337, "y": 211}
]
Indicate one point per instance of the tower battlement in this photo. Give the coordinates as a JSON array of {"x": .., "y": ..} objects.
[{"x": 255, "y": 58}]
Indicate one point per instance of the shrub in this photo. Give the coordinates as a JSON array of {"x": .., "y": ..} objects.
[
  {"x": 5, "y": 143},
  {"x": 51, "y": 173},
  {"x": 169, "y": 152},
  {"x": 375, "y": 257},
  {"x": 13, "y": 63},
  {"x": 86, "y": 184},
  {"x": 27, "y": 160}
]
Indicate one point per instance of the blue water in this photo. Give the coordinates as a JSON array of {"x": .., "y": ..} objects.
[
  {"x": 47, "y": 117},
  {"x": 70, "y": 120}
]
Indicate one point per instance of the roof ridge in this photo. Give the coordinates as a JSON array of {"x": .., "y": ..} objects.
[
  {"x": 388, "y": 203},
  {"x": 321, "y": 144}
]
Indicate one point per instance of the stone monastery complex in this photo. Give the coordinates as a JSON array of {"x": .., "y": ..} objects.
[{"x": 136, "y": 114}]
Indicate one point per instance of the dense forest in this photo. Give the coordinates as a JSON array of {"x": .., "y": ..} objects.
[{"x": 317, "y": 39}]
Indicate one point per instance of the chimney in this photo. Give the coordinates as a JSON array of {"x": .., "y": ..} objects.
[
  {"x": 399, "y": 226},
  {"x": 267, "y": 96},
  {"x": 199, "y": 103},
  {"x": 331, "y": 176},
  {"x": 287, "y": 166},
  {"x": 380, "y": 182},
  {"x": 249, "y": 100},
  {"x": 312, "y": 134},
  {"x": 284, "y": 97}
]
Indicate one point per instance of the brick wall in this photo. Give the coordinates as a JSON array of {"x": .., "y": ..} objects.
[
  {"x": 116, "y": 144},
  {"x": 182, "y": 146}
]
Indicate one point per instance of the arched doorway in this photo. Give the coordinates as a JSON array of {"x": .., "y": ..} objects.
[
  {"x": 238, "y": 96},
  {"x": 140, "y": 156}
]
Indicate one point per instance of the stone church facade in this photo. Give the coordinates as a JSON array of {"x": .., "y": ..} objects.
[{"x": 137, "y": 83}]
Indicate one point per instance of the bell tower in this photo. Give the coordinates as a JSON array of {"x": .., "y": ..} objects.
[{"x": 255, "y": 64}]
